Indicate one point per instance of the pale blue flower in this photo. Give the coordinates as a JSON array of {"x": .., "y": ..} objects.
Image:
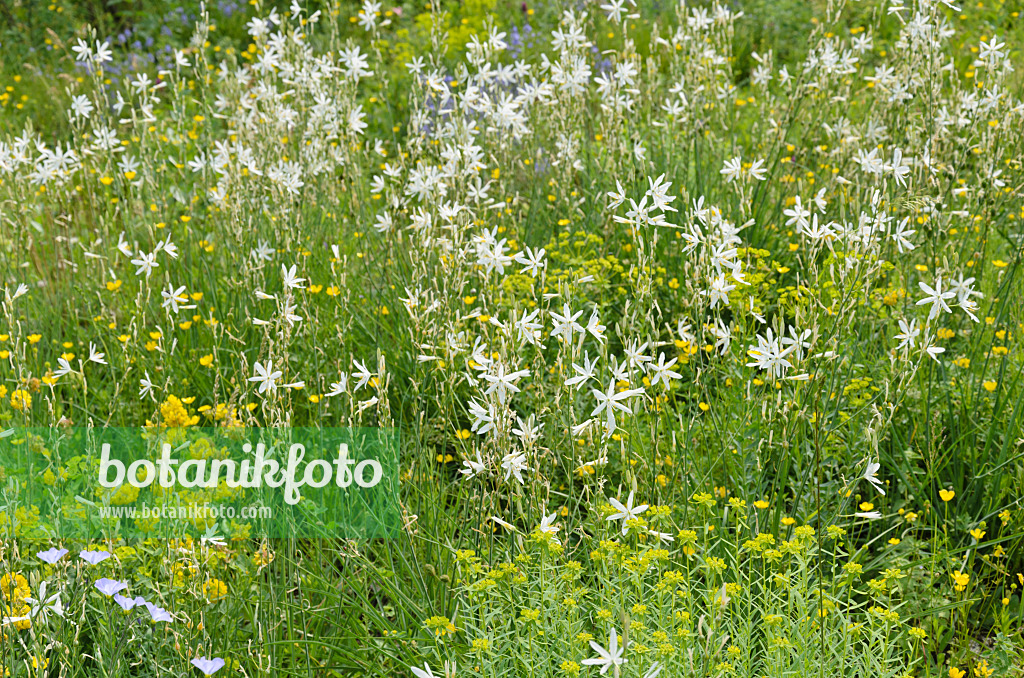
[
  {"x": 51, "y": 556},
  {"x": 158, "y": 614},
  {"x": 208, "y": 666},
  {"x": 109, "y": 587},
  {"x": 94, "y": 557},
  {"x": 128, "y": 603}
]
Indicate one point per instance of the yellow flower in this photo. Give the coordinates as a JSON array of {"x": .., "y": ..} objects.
[
  {"x": 946, "y": 495},
  {"x": 989, "y": 385},
  {"x": 262, "y": 558},
  {"x": 441, "y": 626},
  {"x": 21, "y": 400},
  {"x": 206, "y": 360},
  {"x": 978, "y": 533},
  {"x": 761, "y": 504},
  {"x": 954, "y": 672},
  {"x": 14, "y": 587},
  {"x": 18, "y": 610},
  {"x": 215, "y": 589},
  {"x": 174, "y": 414},
  {"x": 34, "y": 338},
  {"x": 961, "y": 580}
]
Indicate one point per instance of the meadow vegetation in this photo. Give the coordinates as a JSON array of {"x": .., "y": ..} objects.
[{"x": 700, "y": 323}]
